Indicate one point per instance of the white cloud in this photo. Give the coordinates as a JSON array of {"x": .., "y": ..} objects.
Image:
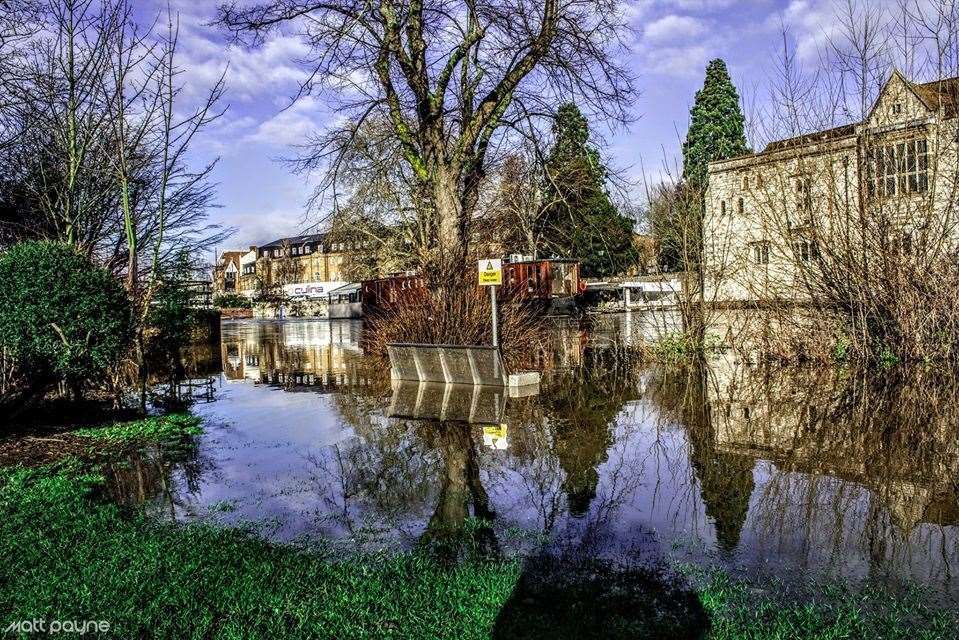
[
  {"x": 701, "y": 5},
  {"x": 671, "y": 28},
  {"x": 290, "y": 126},
  {"x": 686, "y": 62},
  {"x": 264, "y": 226}
]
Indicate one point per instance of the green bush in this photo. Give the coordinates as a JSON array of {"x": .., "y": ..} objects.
[{"x": 62, "y": 317}]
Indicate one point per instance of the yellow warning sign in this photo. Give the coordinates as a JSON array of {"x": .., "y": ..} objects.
[{"x": 490, "y": 272}]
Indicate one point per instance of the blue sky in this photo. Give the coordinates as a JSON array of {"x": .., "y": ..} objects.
[{"x": 669, "y": 49}]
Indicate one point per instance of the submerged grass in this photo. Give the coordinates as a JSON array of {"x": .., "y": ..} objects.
[
  {"x": 101, "y": 443},
  {"x": 739, "y": 611},
  {"x": 152, "y": 429},
  {"x": 70, "y": 555}
]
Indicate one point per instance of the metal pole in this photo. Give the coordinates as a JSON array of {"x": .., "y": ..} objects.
[{"x": 492, "y": 297}]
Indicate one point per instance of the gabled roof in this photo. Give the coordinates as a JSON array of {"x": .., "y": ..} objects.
[
  {"x": 231, "y": 257},
  {"x": 939, "y": 93}
]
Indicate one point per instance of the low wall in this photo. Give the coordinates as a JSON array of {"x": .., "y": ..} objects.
[
  {"x": 235, "y": 313},
  {"x": 293, "y": 309}
]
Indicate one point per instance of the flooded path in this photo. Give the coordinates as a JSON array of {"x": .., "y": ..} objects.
[{"x": 789, "y": 474}]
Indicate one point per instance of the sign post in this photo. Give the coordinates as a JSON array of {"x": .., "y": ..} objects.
[{"x": 491, "y": 275}]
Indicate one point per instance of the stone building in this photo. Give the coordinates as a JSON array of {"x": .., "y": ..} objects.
[
  {"x": 226, "y": 273},
  {"x": 885, "y": 184},
  {"x": 305, "y": 266}
]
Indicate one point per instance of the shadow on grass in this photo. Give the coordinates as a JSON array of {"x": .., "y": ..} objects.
[{"x": 557, "y": 598}]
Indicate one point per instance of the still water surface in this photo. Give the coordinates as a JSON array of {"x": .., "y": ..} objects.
[{"x": 795, "y": 474}]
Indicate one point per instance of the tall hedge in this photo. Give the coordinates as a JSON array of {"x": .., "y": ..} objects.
[{"x": 62, "y": 317}]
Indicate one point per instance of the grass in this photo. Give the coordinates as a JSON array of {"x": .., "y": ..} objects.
[
  {"x": 156, "y": 429},
  {"x": 678, "y": 346},
  {"x": 69, "y": 558},
  {"x": 739, "y": 611},
  {"x": 97, "y": 444},
  {"x": 70, "y": 555}
]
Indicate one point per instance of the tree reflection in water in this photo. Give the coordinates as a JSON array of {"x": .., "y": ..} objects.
[
  {"x": 764, "y": 468},
  {"x": 725, "y": 479},
  {"x": 460, "y": 490}
]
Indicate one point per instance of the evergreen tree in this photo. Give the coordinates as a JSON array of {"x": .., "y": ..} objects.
[
  {"x": 578, "y": 220},
  {"x": 716, "y": 132},
  {"x": 717, "y": 128}
]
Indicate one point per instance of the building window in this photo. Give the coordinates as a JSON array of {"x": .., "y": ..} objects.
[
  {"x": 896, "y": 108},
  {"x": 760, "y": 252},
  {"x": 804, "y": 197},
  {"x": 806, "y": 250},
  {"x": 899, "y": 169},
  {"x": 722, "y": 207},
  {"x": 306, "y": 249},
  {"x": 745, "y": 183},
  {"x": 742, "y": 206}
]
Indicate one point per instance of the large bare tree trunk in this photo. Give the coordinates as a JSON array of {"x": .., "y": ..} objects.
[{"x": 451, "y": 240}]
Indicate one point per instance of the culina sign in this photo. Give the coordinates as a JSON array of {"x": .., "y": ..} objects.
[{"x": 310, "y": 289}]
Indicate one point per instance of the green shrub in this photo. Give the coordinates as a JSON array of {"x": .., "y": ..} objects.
[{"x": 61, "y": 316}]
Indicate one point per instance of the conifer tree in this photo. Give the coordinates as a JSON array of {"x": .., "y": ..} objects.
[
  {"x": 579, "y": 221},
  {"x": 717, "y": 128}
]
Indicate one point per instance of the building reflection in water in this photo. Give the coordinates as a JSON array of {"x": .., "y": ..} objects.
[
  {"x": 324, "y": 354},
  {"x": 854, "y": 471},
  {"x": 780, "y": 471}
]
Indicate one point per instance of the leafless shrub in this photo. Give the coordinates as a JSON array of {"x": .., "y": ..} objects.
[{"x": 460, "y": 313}]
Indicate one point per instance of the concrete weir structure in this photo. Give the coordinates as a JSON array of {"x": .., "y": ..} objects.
[{"x": 457, "y": 364}]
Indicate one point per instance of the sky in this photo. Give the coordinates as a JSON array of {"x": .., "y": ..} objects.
[{"x": 668, "y": 49}]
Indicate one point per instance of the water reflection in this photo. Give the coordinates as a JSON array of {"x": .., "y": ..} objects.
[
  {"x": 472, "y": 404},
  {"x": 788, "y": 472},
  {"x": 856, "y": 473}
]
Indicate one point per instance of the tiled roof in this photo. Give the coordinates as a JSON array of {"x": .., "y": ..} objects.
[
  {"x": 944, "y": 93},
  {"x": 295, "y": 240},
  {"x": 231, "y": 256},
  {"x": 938, "y": 93},
  {"x": 811, "y": 138}
]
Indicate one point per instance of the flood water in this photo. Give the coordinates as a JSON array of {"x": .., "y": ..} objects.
[{"x": 794, "y": 474}]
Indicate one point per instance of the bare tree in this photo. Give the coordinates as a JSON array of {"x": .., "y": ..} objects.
[
  {"x": 859, "y": 222},
  {"x": 452, "y": 78},
  {"x": 98, "y": 157}
]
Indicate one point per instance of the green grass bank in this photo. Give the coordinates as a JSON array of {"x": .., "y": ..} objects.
[{"x": 71, "y": 555}]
